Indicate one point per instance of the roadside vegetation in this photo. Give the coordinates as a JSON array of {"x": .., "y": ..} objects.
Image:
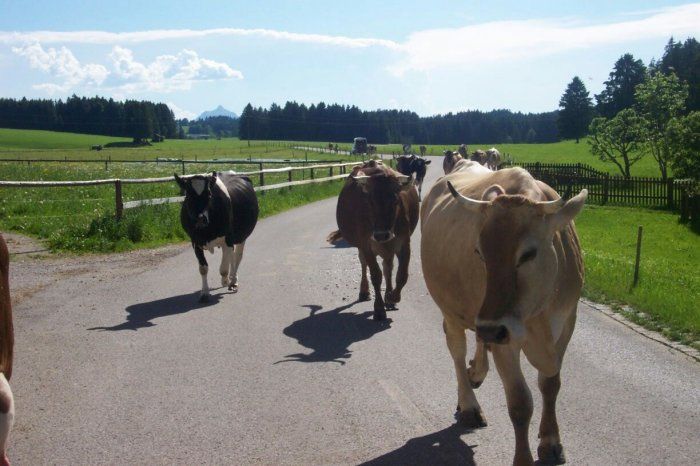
[{"x": 667, "y": 295}]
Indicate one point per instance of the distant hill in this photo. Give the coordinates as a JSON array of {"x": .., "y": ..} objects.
[{"x": 218, "y": 111}]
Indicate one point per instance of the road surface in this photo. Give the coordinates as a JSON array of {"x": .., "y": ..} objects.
[{"x": 127, "y": 367}]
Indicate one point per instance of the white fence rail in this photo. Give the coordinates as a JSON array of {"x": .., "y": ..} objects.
[{"x": 120, "y": 205}]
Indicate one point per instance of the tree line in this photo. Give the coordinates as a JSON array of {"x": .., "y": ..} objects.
[
  {"x": 642, "y": 112},
  {"x": 335, "y": 122},
  {"x": 90, "y": 115},
  {"x": 219, "y": 126}
]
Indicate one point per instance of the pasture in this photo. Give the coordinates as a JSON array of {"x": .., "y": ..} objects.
[
  {"x": 81, "y": 219},
  {"x": 667, "y": 295}
]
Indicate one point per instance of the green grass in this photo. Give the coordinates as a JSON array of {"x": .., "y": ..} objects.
[{"x": 667, "y": 296}]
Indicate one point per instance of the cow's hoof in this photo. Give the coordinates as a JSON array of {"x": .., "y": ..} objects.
[
  {"x": 364, "y": 296},
  {"x": 551, "y": 454},
  {"x": 392, "y": 298},
  {"x": 233, "y": 287},
  {"x": 471, "y": 418},
  {"x": 203, "y": 298},
  {"x": 474, "y": 380},
  {"x": 225, "y": 280}
]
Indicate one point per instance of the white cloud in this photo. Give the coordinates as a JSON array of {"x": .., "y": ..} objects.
[
  {"x": 166, "y": 73},
  {"x": 520, "y": 40},
  {"x": 104, "y": 37},
  {"x": 180, "y": 112},
  {"x": 62, "y": 64}
]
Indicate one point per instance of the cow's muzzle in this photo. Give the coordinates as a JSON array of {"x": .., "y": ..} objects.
[
  {"x": 493, "y": 333},
  {"x": 382, "y": 236},
  {"x": 202, "y": 220}
]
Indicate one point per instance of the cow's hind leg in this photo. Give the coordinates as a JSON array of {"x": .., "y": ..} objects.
[
  {"x": 235, "y": 263},
  {"x": 479, "y": 366},
  {"x": 376, "y": 275},
  {"x": 364, "y": 284},
  {"x": 226, "y": 257},
  {"x": 404, "y": 257},
  {"x": 469, "y": 412},
  {"x": 518, "y": 397},
  {"x": 203, "y": 270}
]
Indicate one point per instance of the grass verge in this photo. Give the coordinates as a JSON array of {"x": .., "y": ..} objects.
[
  {"x": 148, "y": 226},
  {"x": 667, "y": 295}
]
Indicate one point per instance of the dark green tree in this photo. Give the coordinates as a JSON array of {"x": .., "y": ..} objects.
[
  {"x": 576, "y": 111},
  {"x": 684, "y": 137},
  {"x": 619, "y": 88},
  {"x": 683, "y": 59}
]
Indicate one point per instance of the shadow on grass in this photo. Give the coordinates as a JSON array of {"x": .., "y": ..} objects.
[
  {"x": 329, "y": 334},
  {"x": 444, "y": 447},
  {"x": 140, "y": 315}
]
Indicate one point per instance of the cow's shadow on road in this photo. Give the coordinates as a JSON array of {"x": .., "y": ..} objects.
[
  {"x": 444, "y": 447},
  {"x": 141, "y": 315},
  {"x": 329, "y": 334}
]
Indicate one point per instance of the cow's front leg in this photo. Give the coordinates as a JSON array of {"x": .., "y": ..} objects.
[
  {"x": 550, "y": 450},
  {"x": 479, "y": 366},
  {"x": 226, "y": 258},
  {"x": 469, "y": 412},
  {"x": 388, "y": 270},
  {"x": 518, "y": 397},
  {"x": 203, "y": 270},
  {"x": 235, "y": 263},
  {"x": 376, "y": 275},
  {"x": 404, "y": 257}
]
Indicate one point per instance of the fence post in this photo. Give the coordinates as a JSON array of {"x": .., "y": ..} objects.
[
  {"x": 312, "y": 173},
  {"x": 105, "y": 164},
  {"x": 669, "y": 192},
  {"x": 289, "y": 177},
  {"x": 330, "y": 171},
  {"x": 183, "y": 166},
  {"x": 639, "y": 253},
  {"x": 262, "y": 175},
  {"x": 606, "y": 188},
  {"x": 118, "y": 201}
]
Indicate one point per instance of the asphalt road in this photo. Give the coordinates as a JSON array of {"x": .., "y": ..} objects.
[{"x": 130, "y": 368}]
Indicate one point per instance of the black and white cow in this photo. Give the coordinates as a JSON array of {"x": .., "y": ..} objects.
[
  {"x": 220, "y": 210},
  {"x": 410, "y": 164}
]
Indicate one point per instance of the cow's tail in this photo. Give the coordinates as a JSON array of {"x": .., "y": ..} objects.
[
  {"x": 7, "y": 339},
  {"x": 334, "y": 237}
]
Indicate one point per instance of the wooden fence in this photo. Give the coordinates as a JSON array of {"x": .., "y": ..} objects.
[
  {"x": 120, "y": 205},
  {"x": 603, "y": 188}
]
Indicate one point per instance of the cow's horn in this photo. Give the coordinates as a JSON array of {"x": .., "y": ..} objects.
[
  {"x": 361, "y": 179},
  {"x": 404, "y": 179},
  {"x": 471, "y": 204},
  {"x": 551, "y": 207}
]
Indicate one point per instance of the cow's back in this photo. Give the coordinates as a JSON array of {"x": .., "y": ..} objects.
[{"x": 244, "y": 205}]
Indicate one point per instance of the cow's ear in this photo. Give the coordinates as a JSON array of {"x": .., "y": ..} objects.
[
  {"x": 492, "y": 192},
  {"x": 563, "y": 216},
  {"x": 212, "y": 180},
  {"x": 405, "y": 181},
  {"x": 427, "y": 162},
  {"x": 180, "y": 182}
]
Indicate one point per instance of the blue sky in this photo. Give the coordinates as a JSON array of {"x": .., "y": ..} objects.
[{"x": 430, "y": 57}]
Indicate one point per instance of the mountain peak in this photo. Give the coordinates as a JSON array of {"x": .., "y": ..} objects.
[{"x": 218, "y": 111}]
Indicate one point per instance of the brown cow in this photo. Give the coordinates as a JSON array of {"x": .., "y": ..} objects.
[
  {"x": 463, "y": 151},
  {"x": 479, "y": 156},
  {"x": 501, "y": 256},
  {"x": 449, "y": 160},
  {"x": 7, "y": 403},
  {"x": 493, "y": 158},
  {"x": 377, "y": 213}
]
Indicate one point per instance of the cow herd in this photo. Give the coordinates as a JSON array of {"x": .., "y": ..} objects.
[
  {"x": 499, "y": 253},
  {"x": 500, "y": 256}
]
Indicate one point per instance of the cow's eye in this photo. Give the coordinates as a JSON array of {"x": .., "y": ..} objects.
[{"x": 527, "y": 256}]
